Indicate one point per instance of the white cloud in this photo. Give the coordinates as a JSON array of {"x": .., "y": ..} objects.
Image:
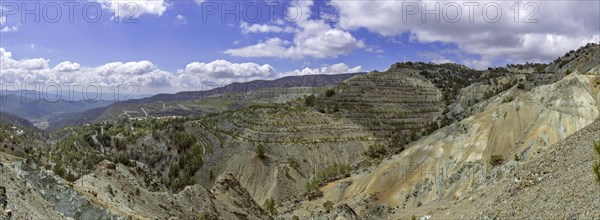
[
  {"x": 264, "y": 28},
  {"x": 2, "y": 20},
  {"x": 312, "y": 38},
  {"x": 223, "y": 72},
  {"x": 199, "y": 2},
  {"x": 7, "y": 29},
  {"x": 478, "y": 64},
  {"x": 134, "y": 9},
  {"x": 146, "y": 74},
  {"x": 5, "y": 54},
  {"x": 374, "y": 49},
  {"x": 180, "y": 19},
  {"x": 332, "y": 69},
  {"x": 67, "y": 66},
  {"x": 561, "y": 26},
  {"x": 441, "y": 61},
  {"x": 273, "y": 47},
  {"x": 28, "y": 64}
]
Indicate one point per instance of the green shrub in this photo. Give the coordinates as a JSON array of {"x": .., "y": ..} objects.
[
  {"x": 596, "y": 166},
  {"x": 183, "y": 140},
  {"x": 269, "y": 207},
  {"x": 330, "y": 92},
  {"x": 376, "y": 151},
  {"x": 261, "y": 150},
  {"x": 329, "y": 173},
  {"x": 292, "y": 162},
  {"x": 496, "y": 160},
  {"x": 59, "y": 170},
  {"x": 310, "y": 100},
  {"x": 211, "y": 175},
  {"x": 286, "y": 170},
  {"x": 328, "y": 206}
]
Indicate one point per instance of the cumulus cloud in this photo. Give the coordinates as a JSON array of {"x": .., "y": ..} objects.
[
  {"x": 180, "y": 19},
  {"x": 556, "y": 27},
  {"x": 7, "y": 29},
  {"x": 264, "y": 28},
  {"x": 325, "y": 70},
  {"x": 222, "y": 72},
  {"x": 28, "y": 64},
  {"x": 312, "y": 38},
  {"x": 146, "y": 74},
  {"x": 67, "y": 66},
  {"x": 134, "y": 9}
]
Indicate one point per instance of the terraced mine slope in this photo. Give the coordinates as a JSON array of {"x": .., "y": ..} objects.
[
  {"x": 452, "y": 163},
  {"x": 396, "y": 102},
  {"x": 316, "y": 139}
]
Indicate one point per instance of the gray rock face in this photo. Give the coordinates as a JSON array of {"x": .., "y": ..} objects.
[
  {"x": 63, "y": 198},
  {"x": 231, "y": 196}
]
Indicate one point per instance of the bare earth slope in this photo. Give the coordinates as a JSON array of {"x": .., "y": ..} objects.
[
  {"x": 115, "y": 187},
  {"x": 558, "y": 185}
]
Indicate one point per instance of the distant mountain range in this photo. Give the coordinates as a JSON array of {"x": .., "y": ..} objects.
[
  {"x": 36, "y": 108},
  {"x": 88, "y": 116},
  {"x": 14, "y": 120},
  {"x": 285, "y": 82}
]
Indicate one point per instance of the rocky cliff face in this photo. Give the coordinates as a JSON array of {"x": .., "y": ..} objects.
[
  {"x": 118, "y": 189},
  {"x": 114, "y": 191},
  {"x": 32, "y": 193}
]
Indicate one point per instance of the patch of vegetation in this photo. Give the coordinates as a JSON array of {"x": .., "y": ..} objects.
[
  {"x": 496, "y": 160},
  {"x": 163, "y": 145},
  {"x": 509, "y": 98},
  {"x": 211, "y": 175},
  {"x": 270, "y": 207},
  {"x": 310, "y": 100},
  {"x": 395, "y": 146},
  {"x": 330, "y": 173},
  {"x": 563, "y": 63},
  {"x": 376, "y": 151},
  {"x": 328, "y": 206},
  {"x": 261, "y": 150},
  {"x": 330, "y": 92},
  {"x": 596, "y": 166}
]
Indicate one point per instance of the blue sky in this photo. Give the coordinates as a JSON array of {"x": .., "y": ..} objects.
[{"x": 176, "y": 45}]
